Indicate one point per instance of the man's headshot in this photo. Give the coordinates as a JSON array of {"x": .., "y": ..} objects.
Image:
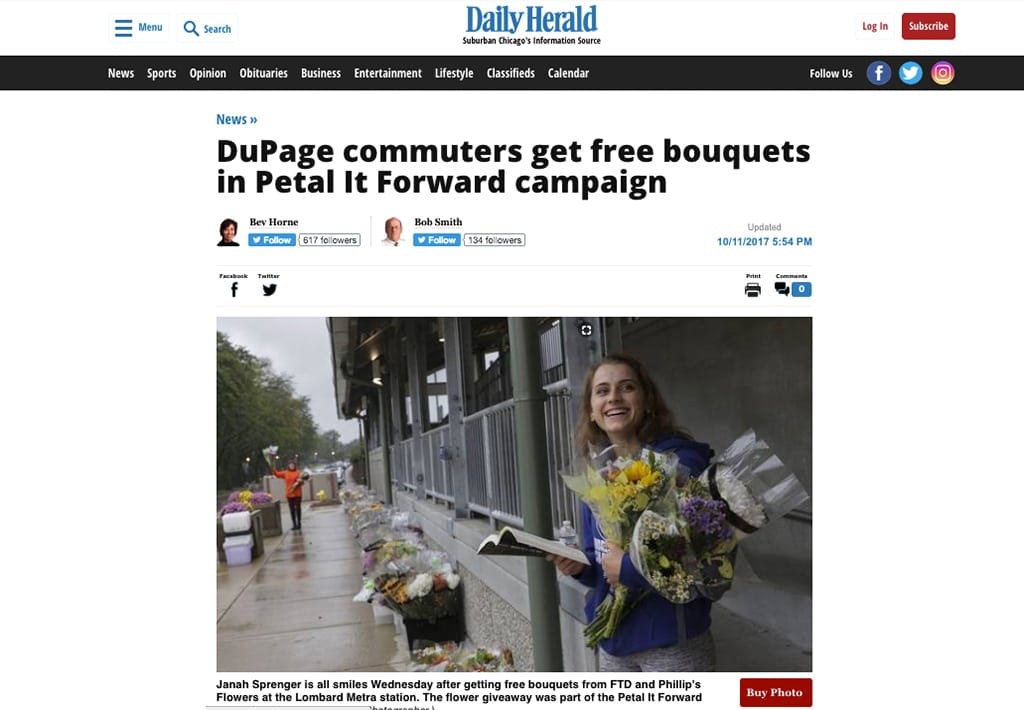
[
  {"x": 228, "y": 230},
  {"x": 393, "y": 230}
]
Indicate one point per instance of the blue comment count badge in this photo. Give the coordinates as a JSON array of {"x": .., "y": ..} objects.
[
  {"x": 437, "y": 239},
  {"x": 271, "y": 239}
]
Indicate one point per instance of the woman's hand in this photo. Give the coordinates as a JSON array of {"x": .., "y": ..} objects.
[
  {"x": 611, "y": 563},
  {"x": 565, "y": 565}
]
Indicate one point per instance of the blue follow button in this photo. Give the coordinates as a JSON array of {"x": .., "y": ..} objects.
[
  {"x": 437, "y": 239},
  {"x": 800, "y": 289},
  {"x": 271, "y": 239}
]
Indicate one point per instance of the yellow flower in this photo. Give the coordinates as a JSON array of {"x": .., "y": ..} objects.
[
  {"x": 637, "y": 470},
  {"x": 651, "y": 478}
]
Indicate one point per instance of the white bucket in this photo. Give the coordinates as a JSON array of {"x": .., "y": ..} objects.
[
  {"x": 236, "y": 522},
  {"x": 238, "y": 550}
]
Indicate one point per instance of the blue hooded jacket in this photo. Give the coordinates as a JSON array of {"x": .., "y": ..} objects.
[{"x": 652, "y": 623}]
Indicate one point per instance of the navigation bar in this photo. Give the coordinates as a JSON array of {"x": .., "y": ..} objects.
[{"x": 628, "y": 73}]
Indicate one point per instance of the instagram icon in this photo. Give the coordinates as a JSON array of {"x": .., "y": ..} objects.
[{"x": 943, "y": 73}]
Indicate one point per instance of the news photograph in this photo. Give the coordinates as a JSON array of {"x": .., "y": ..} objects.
[{"x": 514, "y": 494}]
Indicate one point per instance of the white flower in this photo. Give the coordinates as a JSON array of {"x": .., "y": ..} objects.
[
  {"x": 737, "y": 497},
  {"x": 451, "y": 579},
  {"x": 420, "y": 586}
]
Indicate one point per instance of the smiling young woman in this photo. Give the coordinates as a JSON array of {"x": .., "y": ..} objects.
[{"x": 623, "y": 408}]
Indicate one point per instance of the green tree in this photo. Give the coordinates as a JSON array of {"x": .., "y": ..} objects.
[{"x": 256, "y": 407}]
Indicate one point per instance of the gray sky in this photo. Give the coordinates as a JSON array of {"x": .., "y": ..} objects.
[{"x": 299, "y": 348}]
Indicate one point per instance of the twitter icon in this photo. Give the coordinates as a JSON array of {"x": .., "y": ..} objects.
[
  {"x": 269, "y": 289},
  {"x": 911, "y": 73}
]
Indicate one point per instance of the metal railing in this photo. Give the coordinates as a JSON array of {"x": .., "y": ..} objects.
[
  {"x": 493, "y": 472},
  {"x": 560, "y": 422},
  {"x": 491, "y": 462},
  {"x": 437, "y": 476}
]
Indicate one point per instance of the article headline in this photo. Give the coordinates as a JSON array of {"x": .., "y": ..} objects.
[{"x": 312, "y": 174}]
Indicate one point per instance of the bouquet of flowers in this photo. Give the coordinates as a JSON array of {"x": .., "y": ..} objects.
[
  {"x": 429, "y": 591},
  {"x": 269, "y": 453},
  {"x": 487, "y": 660},
  {"x": 691, "y": 551},
  {"x": 753, "y": 483},
  {"x": 450, "y": 657},
  {"x": 435, "y": 657},
  {"x": 299, "y": 481},
  {"x": 618, "y": 494},
  {"x": 367, "y": 592},
  {"x": 390, "y": 557}
]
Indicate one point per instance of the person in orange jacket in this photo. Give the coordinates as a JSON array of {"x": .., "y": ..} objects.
[{"x": 292, "y": 491}]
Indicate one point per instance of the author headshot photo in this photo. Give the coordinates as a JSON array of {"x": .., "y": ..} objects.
[
  {"x": 393, "y": 230},
  {"x": 228, "y": 230}
]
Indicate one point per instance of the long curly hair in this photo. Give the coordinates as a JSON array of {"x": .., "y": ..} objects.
[{"x": 657, "y": 417}]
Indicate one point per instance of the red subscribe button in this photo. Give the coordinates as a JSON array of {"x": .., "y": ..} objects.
[
  {"x": 929, "y": 25},
  {"x": 775, "y": 692}
]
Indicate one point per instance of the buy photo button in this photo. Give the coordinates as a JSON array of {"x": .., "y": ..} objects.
[{"x": 775, "y": 692}]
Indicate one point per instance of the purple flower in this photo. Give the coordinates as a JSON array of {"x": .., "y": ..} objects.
[
  {"x": 234, "y": 507},
  {"x": 261, "y": 498},
  {"x": 707, "y": 517}
]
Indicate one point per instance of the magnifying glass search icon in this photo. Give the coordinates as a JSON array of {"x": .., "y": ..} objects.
[{"x": 190, "y": 27}]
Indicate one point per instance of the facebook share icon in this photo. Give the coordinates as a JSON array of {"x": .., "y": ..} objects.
[{"x": 879, "y": 73}]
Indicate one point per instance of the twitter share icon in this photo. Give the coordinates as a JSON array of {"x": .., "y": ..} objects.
[{"x": 911, "y": 73}]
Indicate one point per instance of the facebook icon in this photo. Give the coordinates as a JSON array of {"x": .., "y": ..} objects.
[{"x": 879, "y": 73}]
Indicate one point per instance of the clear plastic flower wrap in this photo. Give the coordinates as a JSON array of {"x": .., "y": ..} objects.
[
  {"x": 428, "y": 589},
  {"x": 390, "y": 557},
  {"x": 435, "y": 657},
  {"x": 372, "y": 514},
  {"x": 269, "y": 452},
  {"x": 374, "y": 535},
  {"x": 451, "y": 657},
  {"x": 435, "y": 603},
  {"x": 688, "y": 553},
  {"x": 401, "y": 519},
  {"x": 366, "y": 592},
  {"x": 691, "y": 551},
  {"x": 753, "y": 483}
]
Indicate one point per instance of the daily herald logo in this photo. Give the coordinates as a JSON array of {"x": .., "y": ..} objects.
[{"x": 504, "y": 19}]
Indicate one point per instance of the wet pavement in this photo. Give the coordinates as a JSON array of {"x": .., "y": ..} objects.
[{"x": 291, "y": 610}]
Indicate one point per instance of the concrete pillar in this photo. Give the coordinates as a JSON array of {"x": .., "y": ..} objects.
[
  {"x": 583, "y": 340},
  {"x": 534, "y": 492},
  {"x": 455, "y": 375},
  {"x": 417, "y": 379}
]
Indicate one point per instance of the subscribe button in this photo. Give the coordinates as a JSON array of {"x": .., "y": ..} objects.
[
  {"x": 775, "y": 692},
  {"x": 929, "y": 25}
]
